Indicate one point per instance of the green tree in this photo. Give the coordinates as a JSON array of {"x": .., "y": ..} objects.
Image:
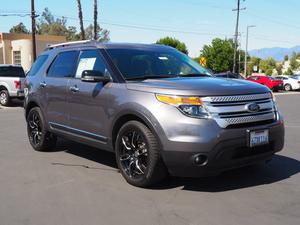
[
  {"x": 173, "y": 43},
  {"x": 19, "y": 29},
  {"x": 289, "y": 72},
  {"x": 269, "y": 72},
  {"x": 294, "y": 64},
  {"x": 286, "y": 58},
  {"x": 279, "y": 68},
  {"x": 254, "y": 61},
  {"x": 102, "y": 34},
  {"x": 49, "y": 25},
  {"x": 267, "y": 64},
  {"x": 219, "y": 55}
]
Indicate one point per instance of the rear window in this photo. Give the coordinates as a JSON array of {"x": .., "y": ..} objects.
[
  {"x": 11, "y": 71},
  {"x": 37, "y": 65}
]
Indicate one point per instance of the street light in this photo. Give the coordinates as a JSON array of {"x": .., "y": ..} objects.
[{"x": 246, "y": 52}]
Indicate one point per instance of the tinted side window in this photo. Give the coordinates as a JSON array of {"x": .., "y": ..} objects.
[
  {"x": 37, "y": 65},
  {"x": 90, "y": 60},
  {"x": 63, "y": 65},
  {"x": 11, "y": 71}
]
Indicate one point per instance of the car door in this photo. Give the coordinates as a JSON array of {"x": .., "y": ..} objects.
[
  {"x": 54, "y": 88},
  {"x": 87, "y": 100}
]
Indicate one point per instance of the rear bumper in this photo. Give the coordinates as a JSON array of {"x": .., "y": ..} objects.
[
  {"x": 229, "y": 150},
  {"x": 17, "y": 94},
  {"x": 278, "y": 87}
]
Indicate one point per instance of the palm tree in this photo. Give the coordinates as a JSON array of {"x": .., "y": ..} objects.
[
  {"x": 95, "y": 20},
  {"x": 80, "y": 20}
]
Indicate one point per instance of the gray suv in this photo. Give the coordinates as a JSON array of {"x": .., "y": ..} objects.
[{"x": 159, "y": 111}]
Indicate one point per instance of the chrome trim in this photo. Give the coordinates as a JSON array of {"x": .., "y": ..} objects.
[
  {"x": 236, "y": 98},
  {"x": 78, "y": 132},
  {"x": 232, "y": 110},
  {"x": 246, "y": 119}
]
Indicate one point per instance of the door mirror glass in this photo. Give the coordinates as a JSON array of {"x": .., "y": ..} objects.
[{"x": 94, "y": 76}]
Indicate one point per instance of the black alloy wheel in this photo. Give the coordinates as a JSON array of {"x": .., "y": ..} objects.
[
  {"x": 39, "y": 138},
  {"x": 138, "y": 155}
]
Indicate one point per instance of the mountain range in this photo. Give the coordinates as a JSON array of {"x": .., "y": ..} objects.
[{"x": 277, "y": 53}]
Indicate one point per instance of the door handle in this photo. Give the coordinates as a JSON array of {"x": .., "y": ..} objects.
[
  {"x": 43, "y": 84},
  {"x": 74, "y": 89}
]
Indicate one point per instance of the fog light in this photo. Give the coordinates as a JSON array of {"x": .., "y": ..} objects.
[{"x": 200, "y": 160}]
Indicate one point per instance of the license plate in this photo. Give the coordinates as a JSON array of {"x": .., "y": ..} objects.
[{"x": 259, "y": 138}]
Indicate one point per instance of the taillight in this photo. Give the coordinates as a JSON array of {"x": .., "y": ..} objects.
[
  {"x": 18, "y": 84},
  {"x": 298, "y": 82}
]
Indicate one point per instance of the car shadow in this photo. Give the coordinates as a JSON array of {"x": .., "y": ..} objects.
[
  {"x": 99, "y": 156},
  {"x": 16, "y": 103},
  {"x": 280, "y": 168}
]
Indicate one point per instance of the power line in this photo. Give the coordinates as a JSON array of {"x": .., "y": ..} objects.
[{"x": 15, "y": 14}]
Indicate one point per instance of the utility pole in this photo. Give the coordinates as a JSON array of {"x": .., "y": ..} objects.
[
  {"x": 246, "y": 52},
  {"x": 33, "y": 30},
  {"x": 238, "y": 9},
  {"x": 239, "y": 52}
]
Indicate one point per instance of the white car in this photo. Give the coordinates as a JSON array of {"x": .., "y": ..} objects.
[{"x": 289, "y": 82}]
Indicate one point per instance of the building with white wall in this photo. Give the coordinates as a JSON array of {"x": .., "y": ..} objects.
[{"x": 17, "y": 48}]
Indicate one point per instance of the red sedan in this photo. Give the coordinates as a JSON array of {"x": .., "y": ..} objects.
[{"x": 270, "y": 82}]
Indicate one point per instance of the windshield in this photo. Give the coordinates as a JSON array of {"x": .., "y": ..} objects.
[
  {"x": 154, "y": 63},
  {"x": 296, "y": 77},
  {"x": 11, "y": 71}
]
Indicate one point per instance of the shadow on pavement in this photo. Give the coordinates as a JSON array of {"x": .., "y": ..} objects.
[
  {"x": 15, "y": 103},
  {"x": 84, "y": 151},
  {"x": 280, "y": 168}
]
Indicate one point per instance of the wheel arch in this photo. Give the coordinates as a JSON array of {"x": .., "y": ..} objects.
[
  {"x": 3, "y": 87},
  {"x": 29, "y": 106},
  {"x": 130, "y": 115}
]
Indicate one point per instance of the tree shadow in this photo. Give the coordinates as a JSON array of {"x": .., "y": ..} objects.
[{"x": 280, "y": 168}]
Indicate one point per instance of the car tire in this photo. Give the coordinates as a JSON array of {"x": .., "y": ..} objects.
[
  {"x": 138, "y": 155},
  {"x": 288, "y": 87},
  {"x": 4, "y": 98},
  {"x": 40, "y": 139}
]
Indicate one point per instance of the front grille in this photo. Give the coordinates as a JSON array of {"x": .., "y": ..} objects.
[{"x": 233, "y": 110}]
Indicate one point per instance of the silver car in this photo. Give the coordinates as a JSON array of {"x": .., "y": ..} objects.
[{"x": 159, "y": 111}]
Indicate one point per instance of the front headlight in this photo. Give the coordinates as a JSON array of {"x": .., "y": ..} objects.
[
  {"x": 189, "y": 106},
  {"x": 274, "y": 101}
]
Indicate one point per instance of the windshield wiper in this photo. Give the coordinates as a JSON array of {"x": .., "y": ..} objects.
[
  {"x": 195, "y": 75},
  {"x": 150, "y": 77}
]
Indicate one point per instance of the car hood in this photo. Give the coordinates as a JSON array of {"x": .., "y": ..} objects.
[{"x": 199, "y": 86}]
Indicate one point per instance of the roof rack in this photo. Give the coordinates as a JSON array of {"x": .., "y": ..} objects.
[{"x": 71, "y": 43}]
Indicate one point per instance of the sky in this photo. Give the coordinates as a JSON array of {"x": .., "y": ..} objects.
[{"x": 195, "y": 22}]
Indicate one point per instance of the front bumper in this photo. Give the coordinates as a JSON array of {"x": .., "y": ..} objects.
[{"x": 228, "y": 150}]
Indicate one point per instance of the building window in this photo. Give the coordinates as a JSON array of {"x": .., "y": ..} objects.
[{"x": 17, "y": 57}]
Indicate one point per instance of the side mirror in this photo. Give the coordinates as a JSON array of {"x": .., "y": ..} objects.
[{"x": 94, "y": 76}]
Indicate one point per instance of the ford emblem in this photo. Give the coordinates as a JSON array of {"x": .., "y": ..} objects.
[{"x": 253, "y": 107}]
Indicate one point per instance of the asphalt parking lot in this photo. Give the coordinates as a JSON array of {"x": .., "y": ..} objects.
[{"x": 79, "y": 185}]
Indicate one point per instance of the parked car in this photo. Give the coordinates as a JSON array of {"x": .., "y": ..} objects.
[
  {"x": 289, "y": 82},
  {"x": 159, "y": 111},
  {"x": 11, "y": 83},
  {"x": 296, "y": 77},
  {"x": 229, "y": 75},
  {"x": 270, "y": 82}
]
